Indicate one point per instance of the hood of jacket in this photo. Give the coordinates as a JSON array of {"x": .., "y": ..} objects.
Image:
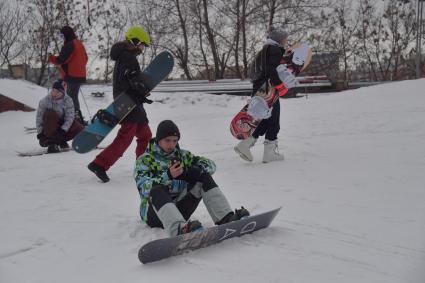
[
  {"x": 159, "y": 154},
  {"x": 123, "y": 47}
]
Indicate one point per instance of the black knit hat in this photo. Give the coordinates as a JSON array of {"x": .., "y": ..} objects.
[
  {"x": 167, "y": 128},
  {"x": 68, "y": 33},
  {"x": 59, "y": 85}
]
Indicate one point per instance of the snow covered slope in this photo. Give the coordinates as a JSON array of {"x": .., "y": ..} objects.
[{"x": 351, "y": 187}]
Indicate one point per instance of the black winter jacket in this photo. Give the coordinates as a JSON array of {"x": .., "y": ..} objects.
[
  {"x": 125, "y": 56},
  {"x": 271, "y": 57}
]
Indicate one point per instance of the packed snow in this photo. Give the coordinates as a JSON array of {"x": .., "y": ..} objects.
[{"x": 351, "y": 189}]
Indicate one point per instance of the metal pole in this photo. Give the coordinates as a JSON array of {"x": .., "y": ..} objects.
[
  {"x": 420, "y": 39},
  {"x": 418, "y": 31}
]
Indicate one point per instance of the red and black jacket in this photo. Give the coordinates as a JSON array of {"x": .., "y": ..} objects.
[{"x": 72, "y": 60}]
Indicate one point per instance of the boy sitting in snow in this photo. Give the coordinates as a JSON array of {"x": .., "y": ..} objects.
[
  {"x": 55, "y": 120},
  {"x": 172, "y": 181}
]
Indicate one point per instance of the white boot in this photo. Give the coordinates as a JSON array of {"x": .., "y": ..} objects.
[
  {"x": 271, "y": 152},
  {"x": 243, "y": 148}
]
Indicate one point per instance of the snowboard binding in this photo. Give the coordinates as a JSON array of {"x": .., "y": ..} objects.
[{"x": 106, "y": 118}]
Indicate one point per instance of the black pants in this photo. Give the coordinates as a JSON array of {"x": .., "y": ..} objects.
[
  {"x": 72, "y": 90},
  {"x": 159, "y": 196},
  {"x": 271, "y": 126}
]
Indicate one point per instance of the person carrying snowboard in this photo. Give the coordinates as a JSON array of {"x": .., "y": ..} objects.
[
  {"x": 72, "y": 60},
  {"x": 127, "y": 78},
  {"x": 172, "y": 181},
  {"x": 55, "y": 119},
  {"x": 269, "y": 58}
]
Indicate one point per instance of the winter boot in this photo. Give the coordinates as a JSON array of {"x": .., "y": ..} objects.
[
  {"x": 64, "y": 145},
  {"x": 243, "y": 148},
  {"x": 234, "y": 216},
  {"x": 190, "y": 226},
  {"x": 99, "y": 171},
  {"x": 271, "y": 152},
  {"x": 53, "y": 148}
]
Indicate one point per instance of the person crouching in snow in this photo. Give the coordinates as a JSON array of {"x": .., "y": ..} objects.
[
  {"x": 172, "y": 181},
  {"x": 55, "y": 119}
]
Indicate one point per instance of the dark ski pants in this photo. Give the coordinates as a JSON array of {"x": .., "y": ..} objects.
[
  {"x": 122, "y": 141},
  {"x": 52, "y": 122},
  {"x": 72, "y": 90},
  {"x": 159, "y": 196},
  {"x": 271, "y": 126}
]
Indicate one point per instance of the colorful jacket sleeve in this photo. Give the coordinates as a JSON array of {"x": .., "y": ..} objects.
[
  {"x": 207, "y": 165},
  {"x": 148, "y": 174}
]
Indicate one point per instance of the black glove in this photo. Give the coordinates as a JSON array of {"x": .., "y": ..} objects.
[
  {"x": 140, "y": 99},
  {"x": 135, "y": 83},
  {"x": 191, "y": 174},
  {"x": 41, "y": 136}
]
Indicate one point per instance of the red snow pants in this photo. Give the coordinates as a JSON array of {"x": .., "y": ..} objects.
[{"x": 122, "y": 141}]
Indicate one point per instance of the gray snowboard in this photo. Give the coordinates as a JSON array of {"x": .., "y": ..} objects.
[{"x": 167, "y": 247}]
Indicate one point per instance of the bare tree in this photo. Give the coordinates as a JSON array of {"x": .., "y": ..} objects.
[
  {"x": 12, "y": 23},
  {"x": 336, "y": 34},
  {"x": 109, "y": 22},
  {"x": 400, "y": 18}
]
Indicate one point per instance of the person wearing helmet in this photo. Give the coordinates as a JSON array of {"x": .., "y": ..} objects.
[
  {"x": 126, "y": 78},
  {"x": 72, "y": 61}
]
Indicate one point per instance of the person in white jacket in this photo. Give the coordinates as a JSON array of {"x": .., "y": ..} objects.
[{"x": 55, "y": 119}]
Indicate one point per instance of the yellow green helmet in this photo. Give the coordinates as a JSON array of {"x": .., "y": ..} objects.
[{"x": 138, "y": 34}]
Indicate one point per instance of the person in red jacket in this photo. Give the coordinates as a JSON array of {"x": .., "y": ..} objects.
[{"x": 72, "y": 61}]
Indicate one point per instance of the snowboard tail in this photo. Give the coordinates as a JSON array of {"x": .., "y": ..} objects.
[{"x": 167, "y": 247}]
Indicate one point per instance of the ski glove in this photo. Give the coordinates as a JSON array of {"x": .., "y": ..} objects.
[
  {"x": 286, "y": 76},
  {"x": 140, "y": 99},
  {"x": 281, "y": 90},
  {"x": 191, "y": 174},
  {"x": 41, "y": 136}
]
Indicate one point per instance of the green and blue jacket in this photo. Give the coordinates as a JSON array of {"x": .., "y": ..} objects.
[{"x": 151, "y": 170}]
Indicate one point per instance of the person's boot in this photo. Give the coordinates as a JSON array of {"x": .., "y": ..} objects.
[
  {"x": 271, "y": 152},
  {"x": 238, "y": 214},
  {"x": 53, "y": 148},
  {"x": 99, "y": 171},
  {"x": 64, "y": 145},
  {"x": 243, "y": 148},
  {"x": 190, "y": 226}
]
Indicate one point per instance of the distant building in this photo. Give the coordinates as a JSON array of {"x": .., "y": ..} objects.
[
  {"x": 323, "y": 64},
  {"x": 25, "y": 72}
]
